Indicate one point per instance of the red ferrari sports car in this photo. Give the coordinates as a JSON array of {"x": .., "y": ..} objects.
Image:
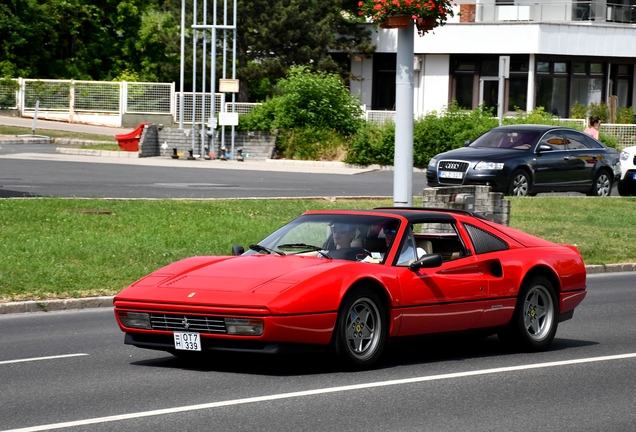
[{"x": 352, "y": 280}]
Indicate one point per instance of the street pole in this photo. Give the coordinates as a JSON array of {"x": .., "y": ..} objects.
[{"x": 404, "y": 87}]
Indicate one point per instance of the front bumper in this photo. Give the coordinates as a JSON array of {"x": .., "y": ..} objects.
[
  {"x": 165, "y": 342},
  {"x": 497, "y": 180}
]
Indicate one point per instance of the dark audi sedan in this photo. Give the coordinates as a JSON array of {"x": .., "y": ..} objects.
[{"x": 527, "y": 159}]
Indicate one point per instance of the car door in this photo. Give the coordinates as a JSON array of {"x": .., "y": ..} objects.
[
  {"x": 446, "y": 298},
  {"x": 583, "y": 158},
  {"x": 551, "y": 167}
]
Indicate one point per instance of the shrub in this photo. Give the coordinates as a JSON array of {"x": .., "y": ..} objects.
[
  {"x": 625, "y": 115},
  {"x": 599, "y": 110},
  {"x": 373, "y": 143},
  {"x": 308, "y": 99},
  {"x": 432, "y": 134},
  {"x": 578, "y": 110},
  {"x": 310, "y": 143}
]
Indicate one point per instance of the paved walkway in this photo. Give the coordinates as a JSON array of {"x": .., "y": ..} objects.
[{"x": 44, "y": 125}]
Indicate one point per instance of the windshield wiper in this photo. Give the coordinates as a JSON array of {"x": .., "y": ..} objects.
[
  {"x": 260, "y": 248},
  {"x": 305, "y": 247}
]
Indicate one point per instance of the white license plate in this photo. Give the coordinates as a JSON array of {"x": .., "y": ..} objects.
[
  {"x": 187, "y": 341},
  {"x": 451, "y": 174}
]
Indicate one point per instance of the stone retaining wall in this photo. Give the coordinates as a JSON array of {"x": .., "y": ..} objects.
[
  {"x": 160, "y": 141},
  {"x": 490, "y": 204}
]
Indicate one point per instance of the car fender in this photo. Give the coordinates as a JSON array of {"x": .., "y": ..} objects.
[{"x": 323, "y": 291}]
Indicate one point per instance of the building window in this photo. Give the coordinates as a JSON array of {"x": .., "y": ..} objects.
[
  {"x": 384, "y": 82},
  {"x": 622, "y": 77},
  {"x": 552, "y": 87},
  {"x": 464, "y": 74},
  {"x": 587, "y": 83},
  {"x": 517, "y": 92}
]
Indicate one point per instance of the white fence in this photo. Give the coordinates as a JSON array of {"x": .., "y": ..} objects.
[{"x": 94, "y": 102}]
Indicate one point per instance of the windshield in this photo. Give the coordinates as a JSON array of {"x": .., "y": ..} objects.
[
  {"x": 521, "y": 140},
  {"x": 341, "y": 236}
]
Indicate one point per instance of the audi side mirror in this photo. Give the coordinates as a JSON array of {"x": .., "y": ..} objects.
[{"x": 544, "y": 148}]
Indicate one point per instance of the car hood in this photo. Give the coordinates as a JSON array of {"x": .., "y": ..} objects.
[
  {"x": 251, "y": 281},
  {"x": 481, "y": 154}
]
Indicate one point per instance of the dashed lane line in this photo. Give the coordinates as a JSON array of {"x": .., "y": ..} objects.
[{"x": 41, "y": 358}]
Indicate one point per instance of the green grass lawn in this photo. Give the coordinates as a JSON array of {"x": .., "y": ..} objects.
[{"x": 61, "y": 248}]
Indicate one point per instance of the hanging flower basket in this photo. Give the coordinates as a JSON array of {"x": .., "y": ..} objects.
[
  {"x": 427, "y": 14},
  {"x": 397, "y": 21},
  {"x": 425, "y": 24}
]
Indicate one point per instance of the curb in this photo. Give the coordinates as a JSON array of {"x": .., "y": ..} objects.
[
  {"x": 55, "y": 305},
  {"x": 107, "y": 301}
]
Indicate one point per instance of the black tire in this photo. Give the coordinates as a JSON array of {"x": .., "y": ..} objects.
[
  {"x": 602, "y": 185},
  {"x": 520, "y": 184},
  {"x": 361, "y": 329},
  {"x": 625, "y": 189},
  {"x": 534, "y": 322}
]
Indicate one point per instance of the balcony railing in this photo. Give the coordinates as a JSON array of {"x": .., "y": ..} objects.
[{"x": 550, "y": 11}]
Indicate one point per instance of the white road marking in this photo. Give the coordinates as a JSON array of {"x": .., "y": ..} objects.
[
  {"x": 41, "y": 358},
  {"x": 317, "y": 392}
]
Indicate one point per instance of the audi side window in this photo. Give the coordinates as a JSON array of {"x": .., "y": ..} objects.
[
  {"x": 553, "y": 139},
  {"x": 576, "y": 141},
  {"x": 592, "y": 143}
]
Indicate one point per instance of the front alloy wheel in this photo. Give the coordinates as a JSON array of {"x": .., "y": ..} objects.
[
  {"x": 534, "y": 323},
  {"x": 361, "y": 329},
  {"x": 519, "y": 184}
]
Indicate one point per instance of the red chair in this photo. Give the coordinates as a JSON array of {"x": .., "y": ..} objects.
[{"x": 130, "y": 141}]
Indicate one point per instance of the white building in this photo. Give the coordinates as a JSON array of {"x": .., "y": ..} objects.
[{"x": 561, "y": 52}]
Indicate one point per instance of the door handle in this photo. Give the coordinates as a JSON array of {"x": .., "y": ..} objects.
[{"x": 566, "y": 157}]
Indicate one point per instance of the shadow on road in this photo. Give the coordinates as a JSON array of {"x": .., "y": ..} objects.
[
  {"x": 405, "y": 352},
  {"x": 16, "y": 194}
]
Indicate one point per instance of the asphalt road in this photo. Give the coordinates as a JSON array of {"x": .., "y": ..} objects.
[
  {"x": 36, "y": 170},
  {"x": 30, "y": 170},
  {"x": 585, "y": 382}
]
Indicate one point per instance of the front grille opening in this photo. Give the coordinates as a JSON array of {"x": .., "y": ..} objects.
[
  {"x": 452, "y": 166},
  {"x": 194, "y": 323}
]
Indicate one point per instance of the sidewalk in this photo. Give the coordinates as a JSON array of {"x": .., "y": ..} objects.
[
  {"x": 44, "y": 125},
  {"x": 131, "y": 158}
]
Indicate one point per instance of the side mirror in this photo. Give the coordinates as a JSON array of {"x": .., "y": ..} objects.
[
  {"x": 237, "y": 250},
  {"x": 544, "y": 148},
  {"x": 467, "y": 143},
  {"x": 427, "y": 261}
]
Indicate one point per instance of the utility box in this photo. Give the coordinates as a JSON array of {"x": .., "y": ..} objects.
[{"x": 467, "y": 201}]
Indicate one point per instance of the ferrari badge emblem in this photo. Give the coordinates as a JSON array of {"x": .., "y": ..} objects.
[{"x": 191, "y": 295}]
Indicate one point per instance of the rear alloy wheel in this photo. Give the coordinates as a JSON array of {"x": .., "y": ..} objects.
[
  {"x": 602, "y": 185},
  {"x": 534, "y": 323},
  {"x": 520, "y": 184},
  {"x": 361, "y": 329}
]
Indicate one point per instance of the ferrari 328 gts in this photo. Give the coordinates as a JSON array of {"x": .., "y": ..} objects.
[{"x": 352, "y": 280}]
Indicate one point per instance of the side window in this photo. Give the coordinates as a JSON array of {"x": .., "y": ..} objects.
[
  {"x": 483, "y": 241},
  {"x": 576, "y": 141},
  {"x": 592, "y": 143},
  {"x": 554, "y": 140},
  {"x": 441, "y": 238}
]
